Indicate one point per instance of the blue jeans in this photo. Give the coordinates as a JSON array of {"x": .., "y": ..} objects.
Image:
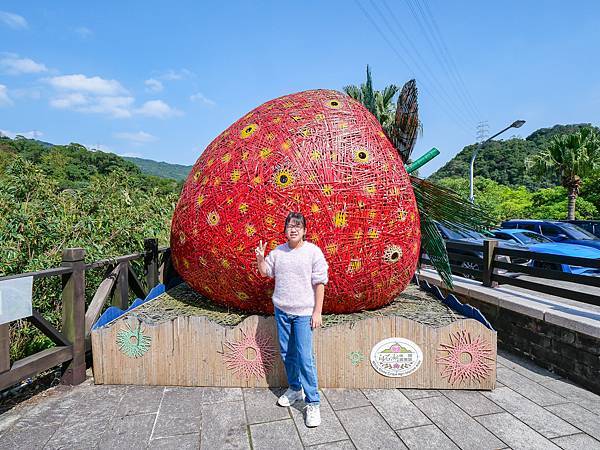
[{"x": 295, "y": 344}]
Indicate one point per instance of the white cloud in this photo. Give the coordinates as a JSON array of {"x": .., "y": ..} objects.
[
  {"x": 84, "y": 32},
  {"x": 33, "y": 93},
  {"x": 4, "y": 98},
  {"x": 27, "y": 134},
  {"x": 200, "y": 98},
  {"x": 153, "y": 85},
  {"x": 12, "y": 64},
  {"x": 180, "y": 74},
  {"x": 12, "y": 20},
  {"x": 93, "y": 85},
  {"x": 139, "y": 137},
  {"x": 157, "y": 108},
  {"x": 69, "y": 101},
  {"x": 131, "y": 154},
  {"x": 118, "y": 107}
]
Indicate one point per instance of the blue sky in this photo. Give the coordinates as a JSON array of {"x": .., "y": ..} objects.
[{"x": 160, "y": 80}]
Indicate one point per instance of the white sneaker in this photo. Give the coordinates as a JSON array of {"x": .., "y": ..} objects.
[
  {"x": 290, "y": 397},
  {"x": 313, "y": 415}
]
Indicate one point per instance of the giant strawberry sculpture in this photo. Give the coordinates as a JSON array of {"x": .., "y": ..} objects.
[{"x": 318, "y": 152}]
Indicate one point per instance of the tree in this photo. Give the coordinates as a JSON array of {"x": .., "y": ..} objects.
[{"x": 571, "y": 156}]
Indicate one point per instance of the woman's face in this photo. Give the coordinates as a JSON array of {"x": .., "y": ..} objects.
[{"x": 294, "y": 232}]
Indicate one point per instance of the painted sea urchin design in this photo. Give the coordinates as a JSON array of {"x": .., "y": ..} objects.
[
  {"x": 466, "y": 359},
  {"x": 133, "y": 343},
  {"x": 252, "y": 355}
]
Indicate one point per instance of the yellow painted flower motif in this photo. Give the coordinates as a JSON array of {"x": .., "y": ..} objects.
[
  {"x": 385, "y": 167},
  {"x": 269, "y": 220},
  {"x": 288, "y": 104},
  {"x": 230, "y": 143},
  {"x": 225, "y": 263},
  {"x": 213, "y": 218},
  {"x": 265, "y": 153},
  {"x": 228, "y": 229},
  {"x": 226, "y": 158},
  {"x": 319, "y": 117},
  {"x": 250, "y": 230},
  {"x": 197, "y": 175},
  {"x": 270, "y": 201},
  {"x": 392, "y": 253},
  {"x": 334, "y": 156},
  {"x": 312, "y": 177},
  {"x": 270, "y": 137},
  {"x": 381, "y": 134},
  {"x": 186, "y": 263},
  {"x": 250, "y": 114},
  {"x": 333, "y": 104},
  {"x": 273, "y": 244},
  {"x": 284, "y": 177},
  {"x": 248, "y": 130},
  {"x": 372, "y": 213},
  {"x": 181, "y": 237},
  {"x": 339, "y": 219},
  {"x": 245, "y": 155},
  {"x": 207, "y": 288},
  {"x": 297, "y": 198},
  {"x": 307, "y": 105},
  {"x": 361, "y": 204},
  {"x": 202, "y": 261},
  {"x": 297, "y": 118},
  {"x": 286, "y": 145},
  {"x": 243, "y": 208},
  {"x": 354, "y": 266},
  {"x": 327, "y": 190},
  {"x": 370, "y": 189},
  {"x": 314, "y": 237},
  {"x": 358, "y": 234},
  {"x": 217, "y": 181},
  {"x": 229, "y": 200},
  {"x": 402, "y": 214},
  {"x": 210, "y": 162},
  {"x": 276, "y": 119},
  {"x": 394, "y": 191},
  {"x": 373, "y": 233},
  {"x": 361, "y": 155},
  {"x": 204, "y": 180},
  {"x": 306, "y": 132},
  {"x": 331, "y": 248},
  {"x": 240, "y": 248},
  {"x": 314, "y": 208},
  {"x": 257, "y": 179},
  {"x": 200, "y": 199},
  {"x": 235, "y": 175},
  {"x": 242, "y": 295},
  {"x": 315, "y": 155}
]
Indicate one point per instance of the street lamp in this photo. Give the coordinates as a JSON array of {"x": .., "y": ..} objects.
[{"x": 515, "y": 124}]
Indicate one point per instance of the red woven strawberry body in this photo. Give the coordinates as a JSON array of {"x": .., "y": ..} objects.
[{"x": 317, "y": 152}]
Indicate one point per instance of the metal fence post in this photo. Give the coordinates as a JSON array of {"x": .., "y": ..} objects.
[
  {"x": 489, "y": 246},
  {"x": 73, "y": 320}
]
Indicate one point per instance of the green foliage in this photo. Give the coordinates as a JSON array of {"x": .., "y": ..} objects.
[
  {"x": 43, "y": 211},
  {"x": 551, "y": 204},
  {"x": 504, "y": 161}
]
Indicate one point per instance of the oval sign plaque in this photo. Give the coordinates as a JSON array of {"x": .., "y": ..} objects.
[{"x": 396, "y": 357}]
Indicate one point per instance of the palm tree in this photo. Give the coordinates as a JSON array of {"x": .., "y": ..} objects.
[
  {"x": 435, "y": 203},
  {"x": 571, "y": 156}
]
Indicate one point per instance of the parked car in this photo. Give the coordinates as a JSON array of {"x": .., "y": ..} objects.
[
  {"x": 469, "y": 237},
  {"x": 541, "y": 244},
  {"x": 592, "y": 226},
  {"x": 556, "y": 231}
]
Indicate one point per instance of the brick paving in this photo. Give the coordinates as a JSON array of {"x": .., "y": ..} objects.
[{"x": 531, "y": 408}]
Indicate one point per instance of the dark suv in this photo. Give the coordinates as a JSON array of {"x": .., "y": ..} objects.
[
  {"x": 593, "y": 226},
  {"x": 556, "y": 231}
]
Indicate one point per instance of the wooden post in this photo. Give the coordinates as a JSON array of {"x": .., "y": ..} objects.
[
  {"x": 151, "y": 262},
  {"x": 73, "y": 303},
  {"x": 4, "y": 347},
  {"x": 489, "y": 246},
  {"x": 121, "y": 292}
]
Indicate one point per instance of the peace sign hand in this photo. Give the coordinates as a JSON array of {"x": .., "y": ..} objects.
[{"x": 260, "y": 250}]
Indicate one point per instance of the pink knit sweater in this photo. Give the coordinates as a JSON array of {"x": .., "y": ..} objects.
[{"x": 296, "y": 273}]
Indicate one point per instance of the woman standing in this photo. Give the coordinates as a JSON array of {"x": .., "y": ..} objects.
[{"x": 300, "y": 272}]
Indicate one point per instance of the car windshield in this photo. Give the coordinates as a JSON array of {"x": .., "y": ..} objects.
[
  {"x": 529, "y": 238},
  {"x": 462, "y": 234},
  {"x": 574, "y": 232}
]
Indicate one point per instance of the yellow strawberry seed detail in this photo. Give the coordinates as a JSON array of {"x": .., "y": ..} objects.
[
  {"x": 250, "y": 230},
  {"x": 226, "y": 158},
  {"x": 212, "y": 218},
  {"x": 235, "y": 175},
  {"x": 243, "y": 208},
  {"x": 265, "y": 153},
  {"x": 327, "y": 190},
  {"x": 314, "y": 208},
  {"x": 339, "y": 219},
  {"x": 284, "y": 178},
  {"x": 248, "y": 130},
  {"x": 200, "y": 199}
]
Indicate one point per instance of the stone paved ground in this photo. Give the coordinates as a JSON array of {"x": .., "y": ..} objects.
[{"x": 531, "y": 408}]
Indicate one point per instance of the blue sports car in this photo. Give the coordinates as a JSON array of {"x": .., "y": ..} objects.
[{"x": 538, "y": 243}]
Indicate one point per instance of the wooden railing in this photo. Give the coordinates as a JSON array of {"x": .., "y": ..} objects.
[
  {"x": 484, "y": 263},
  {"x": 73, "y": 340}
]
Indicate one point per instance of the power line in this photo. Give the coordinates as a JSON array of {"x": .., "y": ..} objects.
[{"x": 425, "y": 88}]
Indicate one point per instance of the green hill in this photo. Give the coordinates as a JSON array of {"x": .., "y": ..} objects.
[
  {"x": 160, "y": 169},
  {"x": 504, "y": 161}
]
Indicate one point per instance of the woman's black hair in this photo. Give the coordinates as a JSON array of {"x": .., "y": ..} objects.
[{"x": 296, "y": 216}]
